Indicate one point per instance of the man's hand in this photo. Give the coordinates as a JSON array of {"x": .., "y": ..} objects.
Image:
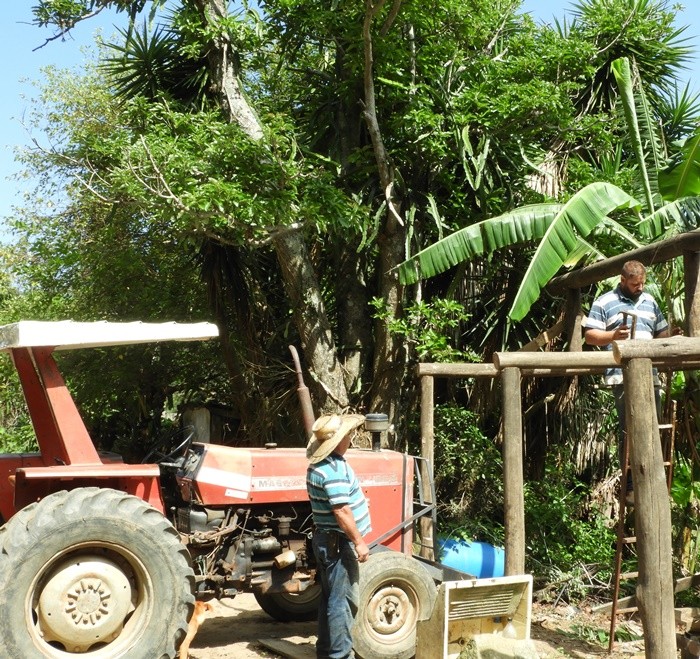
[
  {"x": 675, "y": 331},
  {"x": 362, "y": 551},
  {"x": 600, "y": 337},
  {"x": 346, "y": 521},
  {"x": 620, "y": 333}
]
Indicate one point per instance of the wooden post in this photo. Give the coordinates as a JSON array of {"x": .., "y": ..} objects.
[
  {"x": 652, "y": 512},
  {"x": 427, "y": 434},
  {"x": 691, "y": 273},
  {"x": 573, "y": 317},
  {"x": 513, "y": 498}
]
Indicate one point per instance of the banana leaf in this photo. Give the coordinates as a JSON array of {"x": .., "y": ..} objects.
[
  {"x": 623, "y": 76},
  {"x": 559, "y": 228},
  {"x": 673, "y": 218},
  {"x": 523, "y": 224},
  {"x": 683, "y": 178},
  {"x": 579, "y": 216}
]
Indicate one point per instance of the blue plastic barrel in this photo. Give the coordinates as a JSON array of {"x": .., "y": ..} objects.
[{"x": 479, "y": 559}]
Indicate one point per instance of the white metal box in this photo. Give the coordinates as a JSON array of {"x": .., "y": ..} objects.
[{"x": 466, "y": 610}]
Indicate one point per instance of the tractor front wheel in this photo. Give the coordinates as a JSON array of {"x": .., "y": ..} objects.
[
  {"x": 395, "y": 593},
  {"x": 291, "y": 607},
  {"x": 96, "y": 572}
]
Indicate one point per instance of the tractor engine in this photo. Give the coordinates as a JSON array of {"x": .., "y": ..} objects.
[{"x": 261, "y": 543}]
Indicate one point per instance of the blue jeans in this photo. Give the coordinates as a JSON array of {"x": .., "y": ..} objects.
[{"x": 339, "y": 574}]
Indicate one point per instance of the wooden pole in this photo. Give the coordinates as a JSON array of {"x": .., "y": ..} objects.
[
  {"x": 658, "y": 252},
  {"x": 691, "y": 274},
  {"x": 573, "y": 316},
  {"x": 652, "y": 512},
  {"x": 457, "y": 370},
  {"x": 681, "y": 349},
  {"x": 490, "y": 371},
  {"x": 589, "y": 358},
  {"x": 427, "y": 433},
  {"x": 513, "y": 498}
]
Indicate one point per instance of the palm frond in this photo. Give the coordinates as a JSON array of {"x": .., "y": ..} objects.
[
  {"x": 152, "y": 65},
  {"x": 679, "y": 112}
]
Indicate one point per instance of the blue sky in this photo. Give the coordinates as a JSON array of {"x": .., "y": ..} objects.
[{"x": 22, "y": 61}]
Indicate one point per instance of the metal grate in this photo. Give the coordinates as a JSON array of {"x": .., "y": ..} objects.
[{"x": 485, "y": 602}]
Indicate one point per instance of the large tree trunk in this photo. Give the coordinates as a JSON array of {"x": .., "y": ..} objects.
[
  {"x": 224, "y": 71},
  {"x": 354, "y": 327},
  {"x": 389, "y": 358},
  {"x": 304, "y": 293},
  {"x": 300, "y": 282}
]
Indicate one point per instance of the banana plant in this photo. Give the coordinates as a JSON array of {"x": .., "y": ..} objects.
[
  {"x": 671, "y": 183},
  {"x": 560, "y": 229}
]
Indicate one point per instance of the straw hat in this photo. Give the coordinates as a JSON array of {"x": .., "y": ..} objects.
[{"x": 327, "y": 432}]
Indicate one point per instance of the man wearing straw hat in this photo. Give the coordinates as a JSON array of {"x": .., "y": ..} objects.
[{"x": 341, "y": 518}]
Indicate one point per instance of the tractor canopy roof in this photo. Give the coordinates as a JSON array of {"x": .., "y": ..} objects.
[{"x": 70, "y": 335}]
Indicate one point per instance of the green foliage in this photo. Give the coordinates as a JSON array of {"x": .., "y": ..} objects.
[
  {"x": 468, "y": 470},
  {"x": 430, "y": 328},
  {"x": 562, "y": 531},
  {"x": 685, "y": 513},
  {"x": 642, "y": 29},
  {"x": 16, "y": 432},
  {"x": 685, "y": 487},
  {"x": 18, "y": 440},
  {"x": 63, "y": 13},
  {"x": 590, "y": 634}
]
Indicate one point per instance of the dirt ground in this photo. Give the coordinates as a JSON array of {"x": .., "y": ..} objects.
[{"x": 235, "y": 626}]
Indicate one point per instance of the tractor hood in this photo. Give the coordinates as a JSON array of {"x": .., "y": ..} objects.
[{"x": 215, "y": 475}]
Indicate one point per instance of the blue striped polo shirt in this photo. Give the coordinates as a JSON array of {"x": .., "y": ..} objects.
[
  {"x": 332, "y": 482},
  {"x": 606, "y": 314}
]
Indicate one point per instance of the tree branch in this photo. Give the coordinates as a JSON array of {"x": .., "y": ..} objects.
[
  {"x": 386, "y": 175},
  {"x": 63, "y": 31}
]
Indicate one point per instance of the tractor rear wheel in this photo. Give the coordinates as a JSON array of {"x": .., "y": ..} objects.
[
  {"x": 93, "y": 571},
  {"x": 291, "y": 607},
  {"x": 395, "y": 593}
]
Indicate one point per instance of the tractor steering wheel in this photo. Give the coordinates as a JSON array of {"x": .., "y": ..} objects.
[{"x": 163, "y": 448}]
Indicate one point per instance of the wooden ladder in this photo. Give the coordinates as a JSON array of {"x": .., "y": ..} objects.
[{"x": 667, "y": 433}]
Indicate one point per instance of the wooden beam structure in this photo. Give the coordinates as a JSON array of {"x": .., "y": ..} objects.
[
  {"x": 445, "y": 370},
  {"x": 653, "y": 526},
  {"x": 427, "y": 426},
  {"x": 652, "y": 511},
  {"x": 658, "y": 252},
  {"x": 555, "y": 360},
  {"x": 513, "y": 489},
  {"x": 691, "y": 279},
  {"x": 672, "y": 350}
]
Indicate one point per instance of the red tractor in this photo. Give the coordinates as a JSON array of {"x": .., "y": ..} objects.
[{"x": 105, "y": 559}]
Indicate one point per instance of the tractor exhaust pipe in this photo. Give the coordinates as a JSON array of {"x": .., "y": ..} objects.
[{"x": 307, "y": 409}]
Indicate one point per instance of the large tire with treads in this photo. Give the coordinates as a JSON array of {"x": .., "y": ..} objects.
[
  {"x": 96, "y": 573},
  {"x": 395, "y": 593},
  {"x": 291, "y": 607}
]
